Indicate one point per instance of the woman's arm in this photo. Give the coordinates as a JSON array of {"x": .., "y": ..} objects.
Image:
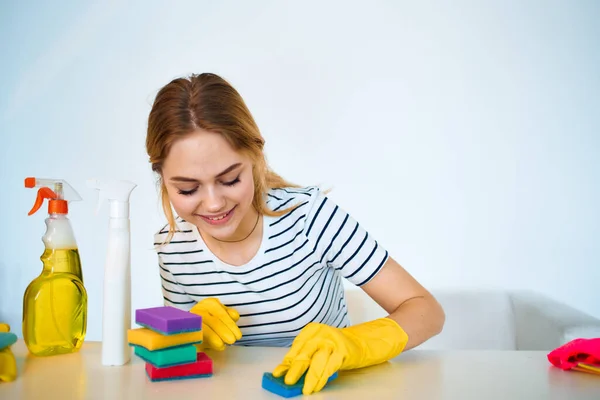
[
  {"x": 409, "y": 303},
  {"x": 319, "y": 349}
]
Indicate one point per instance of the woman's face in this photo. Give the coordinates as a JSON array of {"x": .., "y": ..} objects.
[{"x": 210, "y": 185}]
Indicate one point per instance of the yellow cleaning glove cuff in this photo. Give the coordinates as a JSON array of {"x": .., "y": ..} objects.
[{"x": 380, "y": 340}]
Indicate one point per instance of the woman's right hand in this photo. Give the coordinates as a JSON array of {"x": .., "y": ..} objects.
[{"x": 218, "y": 324}]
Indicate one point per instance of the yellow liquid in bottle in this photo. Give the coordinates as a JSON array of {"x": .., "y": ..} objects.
[{"x": 55, "y": 305}]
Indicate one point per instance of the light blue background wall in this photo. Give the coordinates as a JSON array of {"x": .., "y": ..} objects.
[{"x": 463, "y": 135}]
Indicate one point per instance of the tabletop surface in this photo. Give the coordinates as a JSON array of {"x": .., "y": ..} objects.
[{"x": 416, "y": 374}]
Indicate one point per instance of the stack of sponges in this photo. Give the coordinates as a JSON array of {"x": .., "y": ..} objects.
[
  {"x": 166, "y": 342},
  {"x": 8, "y": 364}
]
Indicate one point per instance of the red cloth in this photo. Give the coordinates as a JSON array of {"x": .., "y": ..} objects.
[{"x": 576, "y": 351}]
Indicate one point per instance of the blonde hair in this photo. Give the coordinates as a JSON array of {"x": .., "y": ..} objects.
[{"x": 206, "y": 101}]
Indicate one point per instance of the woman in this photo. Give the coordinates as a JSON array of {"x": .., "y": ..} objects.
[{"x": 261, "y": 259}]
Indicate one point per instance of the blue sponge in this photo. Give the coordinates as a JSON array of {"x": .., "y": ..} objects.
[
  {"x": 278, "y": 386},
  {"x": 7, "y": 339}
]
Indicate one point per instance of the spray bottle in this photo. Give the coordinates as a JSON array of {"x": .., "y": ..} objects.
[
  {"x": 116, "y": 311},
  {"x": 55, "y": 303}
]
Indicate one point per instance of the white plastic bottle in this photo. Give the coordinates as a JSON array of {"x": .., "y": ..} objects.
[{"x": 116, "y": 310}]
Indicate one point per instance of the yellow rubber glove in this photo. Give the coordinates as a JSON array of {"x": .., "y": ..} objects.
[
  {"x": 8, "y": 364},
  {"x": 218, "y": 324},
  {"x": 323, "y": 350}
]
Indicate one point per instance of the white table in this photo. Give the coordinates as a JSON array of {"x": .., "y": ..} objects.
[{"x": 416, "y": 374}]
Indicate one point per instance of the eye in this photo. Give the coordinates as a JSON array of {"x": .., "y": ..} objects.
[
  {"x": 187, "y": 192},
  {"x": 233, "y": 182}
]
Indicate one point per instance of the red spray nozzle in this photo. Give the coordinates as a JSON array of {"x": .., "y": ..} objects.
[
  {"x": 55, "y": 206},
  {"x": 58, "y": 203}
]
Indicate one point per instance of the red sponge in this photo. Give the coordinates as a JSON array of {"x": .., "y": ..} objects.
[{"x": 202, "y": 367}]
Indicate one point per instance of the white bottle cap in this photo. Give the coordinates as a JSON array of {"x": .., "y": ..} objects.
[{"x": 117, "y": 192}]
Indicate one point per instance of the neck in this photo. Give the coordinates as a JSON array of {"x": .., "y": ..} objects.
[
  {"x": 248, "y": 229},
  {"x": 240, "y": 248}
]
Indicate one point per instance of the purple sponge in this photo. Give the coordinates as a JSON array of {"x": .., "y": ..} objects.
[{"x": 168, "y": 320}]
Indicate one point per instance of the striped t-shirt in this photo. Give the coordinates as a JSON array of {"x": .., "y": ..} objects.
[{"x": 294, "y": 278}]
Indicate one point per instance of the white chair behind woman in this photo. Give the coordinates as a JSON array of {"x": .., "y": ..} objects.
[{"x": 493, "y": 320}]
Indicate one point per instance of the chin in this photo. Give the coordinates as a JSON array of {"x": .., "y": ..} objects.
[{"x": 221, "y": 233}]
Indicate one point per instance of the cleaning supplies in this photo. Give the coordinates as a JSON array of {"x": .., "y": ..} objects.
[
  {"x": 7, "y": 339},
  {"x": 167, "y": 344},
  {"x": 168, "y": 357},
  {"x": 202, "y": 367},
  {"x": 8, "y": 363},
  {"x": 116, "y": 311},
  {"x": 278, "y": 385},
  {"x": 353, "y": 347},
  {"x": 582, "y": 354},
  {"x": 152, "y": 340},
  {"x": 168, "y": 320},
  {"x": 55, "y": 303}
]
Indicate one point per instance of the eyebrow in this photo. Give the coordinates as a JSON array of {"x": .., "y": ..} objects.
[{"x": 220, "y": 174}]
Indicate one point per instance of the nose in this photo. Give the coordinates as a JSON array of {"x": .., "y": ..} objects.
[{"x": 214, "y": 202}]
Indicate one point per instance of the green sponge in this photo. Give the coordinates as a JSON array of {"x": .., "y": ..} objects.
[
  {"x": 167, "y": 357},
  {"x": 7, "y": 339}
]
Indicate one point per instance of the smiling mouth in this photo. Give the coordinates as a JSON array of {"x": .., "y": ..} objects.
[{"x": 217, "y": 218}]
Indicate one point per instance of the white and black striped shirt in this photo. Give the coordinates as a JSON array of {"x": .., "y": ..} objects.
[{"x": 294, "y": 278}]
